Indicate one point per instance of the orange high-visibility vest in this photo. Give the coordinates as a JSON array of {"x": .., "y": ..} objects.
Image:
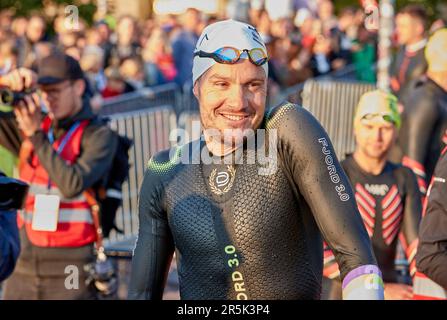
[{"x": 75, "y": 226}]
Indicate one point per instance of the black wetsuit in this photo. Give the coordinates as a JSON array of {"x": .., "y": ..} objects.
[
  {"x": 407, "y": 68},
  {"x": 260, "y": 238},
  {"x": 432, "y": 252},
  {"x": 389, "y": 203},
  {"x": 423, "y": 132}
]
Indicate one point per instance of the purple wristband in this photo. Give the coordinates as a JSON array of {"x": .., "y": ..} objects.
[{"x": 360, "y": 271}]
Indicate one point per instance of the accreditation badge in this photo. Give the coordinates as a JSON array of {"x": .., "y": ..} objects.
[{"x": 46, "y": 212}]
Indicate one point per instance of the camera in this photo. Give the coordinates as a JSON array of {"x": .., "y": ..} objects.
[
  {"x": 102, "y": 277},
  {"x": 12, "y": 98}
]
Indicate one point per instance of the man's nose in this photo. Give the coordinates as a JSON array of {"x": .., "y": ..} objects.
[
  {"x": 237, "y": 98},
  {"x": 378, "y": 134}
]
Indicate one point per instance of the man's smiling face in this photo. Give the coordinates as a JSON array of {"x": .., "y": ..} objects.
[{"x": 232, "y": 96}]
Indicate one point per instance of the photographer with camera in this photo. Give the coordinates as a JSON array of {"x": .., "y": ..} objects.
[
  {"x": 12, "y": 196},
  {"x": 62, "y": 155}
]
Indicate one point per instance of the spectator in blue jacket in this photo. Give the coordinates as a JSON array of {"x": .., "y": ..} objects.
[
  {"x": 9, "y": 243},
  {"x": 9, "y": 234}
]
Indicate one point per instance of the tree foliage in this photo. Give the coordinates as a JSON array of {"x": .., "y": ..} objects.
[{"x": 27, "y": 7}]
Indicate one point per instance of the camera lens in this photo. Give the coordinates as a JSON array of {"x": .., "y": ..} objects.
[
  {"x": 6, "y": 96},
  {"x": 12, "y": 98}
]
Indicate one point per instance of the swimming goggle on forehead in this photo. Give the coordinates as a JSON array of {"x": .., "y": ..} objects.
[
  {"x": 384, "y": 116},
  {"x": 230, "y": 55}
]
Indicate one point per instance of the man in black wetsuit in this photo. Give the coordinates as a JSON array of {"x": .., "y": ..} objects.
[
  {"x": 409, "y": 63},
  {"x": 424, "y": 121},
  {"x": 248, "y": 229},
  {"x": 387, "y": 194}
]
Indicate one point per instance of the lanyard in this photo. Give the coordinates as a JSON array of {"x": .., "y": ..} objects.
[
  {"x": 66, "y": 137},
  {"x": 64, "y": 141}
]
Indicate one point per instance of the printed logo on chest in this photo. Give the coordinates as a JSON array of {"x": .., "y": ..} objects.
[
  {"x": 391, "y": 205},
  {"x": 377, "y": 189}
]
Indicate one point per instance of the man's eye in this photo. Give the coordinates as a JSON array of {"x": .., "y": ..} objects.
[
  {"x": 221, "y": 84},
  {"x": 254, "y": 85}
]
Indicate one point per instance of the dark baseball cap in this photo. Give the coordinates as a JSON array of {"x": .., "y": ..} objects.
[{"x": 58, "y": 67}]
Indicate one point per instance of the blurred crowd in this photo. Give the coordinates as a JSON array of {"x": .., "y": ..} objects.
[
  {"x": 306, "y": 40},
  {"x": 128, "y": 54}
]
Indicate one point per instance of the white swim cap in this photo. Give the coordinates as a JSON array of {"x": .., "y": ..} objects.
[{"x": 227, "y": 33}]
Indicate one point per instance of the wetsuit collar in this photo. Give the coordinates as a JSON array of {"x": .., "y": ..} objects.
[
  {"x": 235, "y": 154},
  {"x": 411, "y": 48},
  {"x": 258, "y": 140},
  {"x": 350, "y": 158}
]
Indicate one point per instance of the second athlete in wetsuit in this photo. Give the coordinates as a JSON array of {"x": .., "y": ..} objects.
[{"x": 387, "y": 194}]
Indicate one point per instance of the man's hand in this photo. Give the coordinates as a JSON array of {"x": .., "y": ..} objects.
[
  {"x": 28, "y": 115},
  {"x": 19, "y": 79},
  {"x": 398, "y": 291}
]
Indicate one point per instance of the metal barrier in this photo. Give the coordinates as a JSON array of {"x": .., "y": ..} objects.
[
  {"x": 149, "y": 129},
  {"x": 293, "y": 94},
  {"x": 151, "y": 97},
  {"x": 333, "y": 104}
]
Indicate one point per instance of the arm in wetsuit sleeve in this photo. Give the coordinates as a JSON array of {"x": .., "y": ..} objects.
[
  {"x": 431, "y": 257},
  {"x": 309, "y": 156},
  {"x": 411, "y": 218},
  {"x": 155, "y": 247}
]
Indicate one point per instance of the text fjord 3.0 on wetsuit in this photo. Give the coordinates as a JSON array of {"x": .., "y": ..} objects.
[{"x": 241, "y": 235}]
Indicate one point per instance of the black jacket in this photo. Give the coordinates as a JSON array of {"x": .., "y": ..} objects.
[{"x": 431, "y": 258}]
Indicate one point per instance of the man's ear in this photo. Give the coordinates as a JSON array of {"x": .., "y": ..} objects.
[
  {"x": 195, "y": 89},
  {"x": 80, "y": 87}
]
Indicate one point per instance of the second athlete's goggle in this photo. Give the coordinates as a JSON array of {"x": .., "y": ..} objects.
[
  {"x": 385, "y": 116},
  {"x": 230, "y": 55}
]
